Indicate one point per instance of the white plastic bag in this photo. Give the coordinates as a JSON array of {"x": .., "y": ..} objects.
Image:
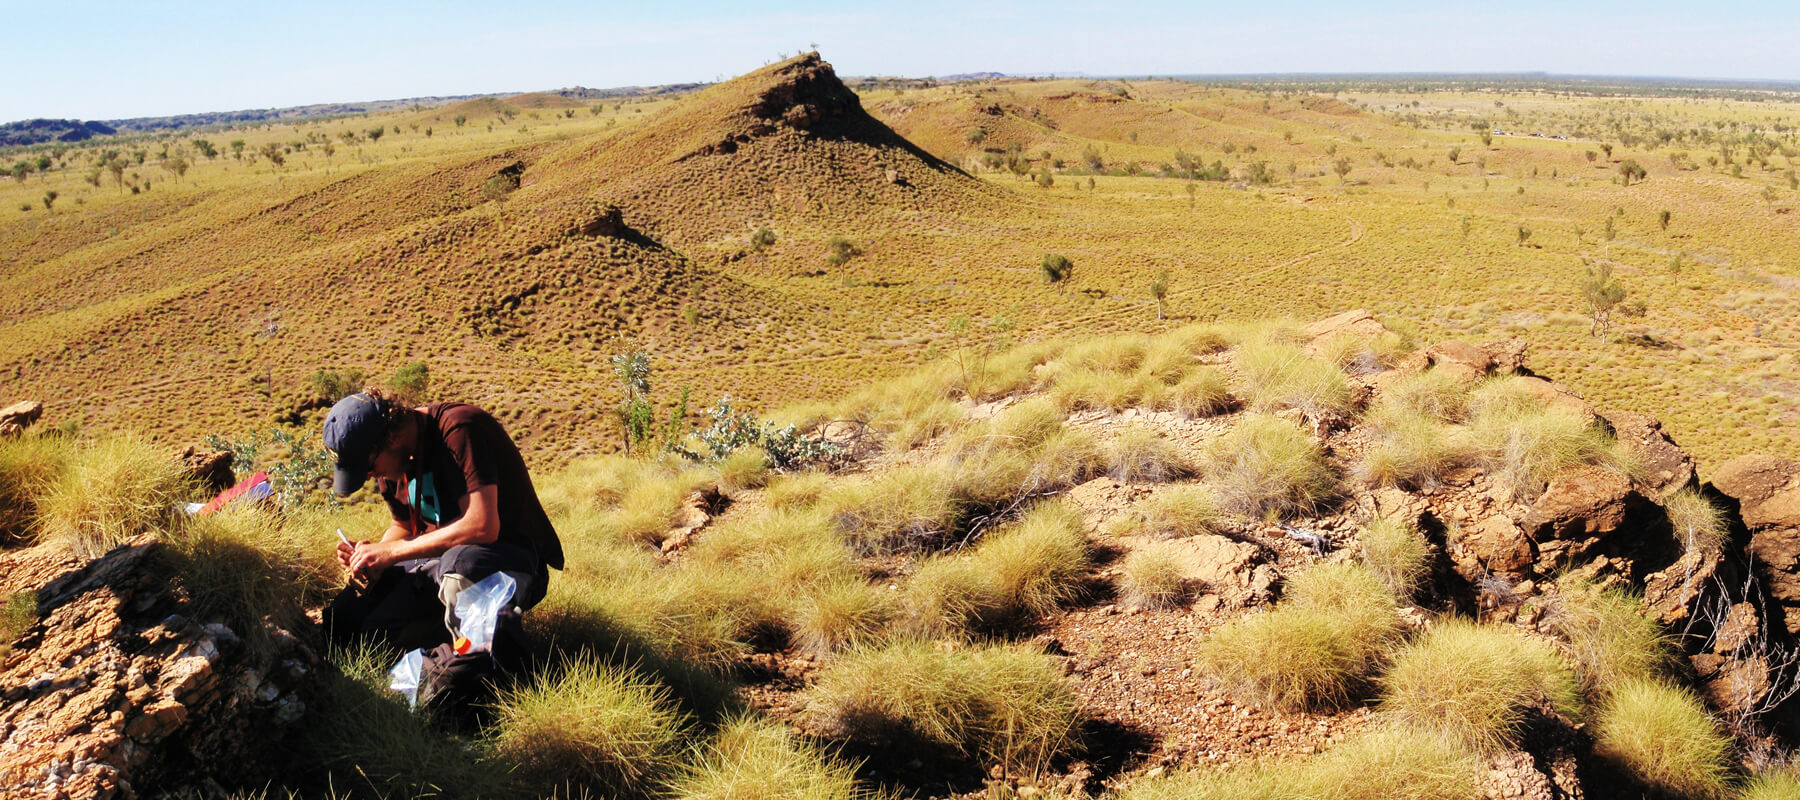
[
  {"x": 478, "y": 610},
  {"x": 405, "y": 676}
]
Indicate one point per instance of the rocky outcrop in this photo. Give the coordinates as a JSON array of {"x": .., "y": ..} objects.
[
  {"x": 19, "y": 416},
  {"x": 208, "y": 469},
  {"x": 119, "y": 690},
  {"x": 1767, "y": 491}
]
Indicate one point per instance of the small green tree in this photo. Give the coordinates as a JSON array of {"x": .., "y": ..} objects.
[
  {"x": 461, "y": 120},
  {"x": 763, "y": 238},
  {"x": 376, "y": 133},
  {"x": 1606, "y": 147},
  {"x": 1455, "y": 154},
  {"x": 237, "y": 149},
  {"x": 1524, "y": 234},
  {"x": 49, "y": 199},
  {"x": 1602, "y": 293},
  {"x": 331, "y": 385},
  {"x": 1630, "y": 170},
  {"x": 1662, "y": 218},
  {"x": 839, "y": 251},
  {"x": 411, "y": 382},
  {"x": 636, "y": 415},
  {"x": 1058, "y": 269},
  {"x": 1341, "y": 167},
  {"x": 1159, "y": 291}
]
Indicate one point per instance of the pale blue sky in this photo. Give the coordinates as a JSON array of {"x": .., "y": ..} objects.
[{"x": 107, "y": 60}]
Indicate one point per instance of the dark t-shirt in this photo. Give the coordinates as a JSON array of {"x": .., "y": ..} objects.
[{"x": 462, "y": 447}]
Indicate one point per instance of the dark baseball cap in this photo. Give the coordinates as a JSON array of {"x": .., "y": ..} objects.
[{"x": 354, "y": 430}]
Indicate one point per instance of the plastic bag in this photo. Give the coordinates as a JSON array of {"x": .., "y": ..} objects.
[
  {"x": 405, "y": 676},
  {"x": 478, "y": 611}
]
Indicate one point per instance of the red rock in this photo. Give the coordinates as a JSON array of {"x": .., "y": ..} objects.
[
  {"x": 1667, "y": 468},
  {"x": 1581, "y": 502},
  {"x": 1767, "y": 489}
]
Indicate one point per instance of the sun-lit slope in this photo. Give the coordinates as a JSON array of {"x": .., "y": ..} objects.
[{"x": 787, "y": 146}]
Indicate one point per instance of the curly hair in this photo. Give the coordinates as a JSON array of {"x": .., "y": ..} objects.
[{"x": 393, "y": 411}]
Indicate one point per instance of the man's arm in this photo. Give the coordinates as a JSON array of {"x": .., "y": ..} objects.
[{"x": 479, "y": 524}]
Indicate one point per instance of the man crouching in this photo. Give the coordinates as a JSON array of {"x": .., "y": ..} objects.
[{"x": 463, "y": 508}]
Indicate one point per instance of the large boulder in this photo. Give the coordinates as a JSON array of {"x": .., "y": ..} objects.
[
  {"x": 118, "y": 689},
  {"x": 1581, "y": 503}
]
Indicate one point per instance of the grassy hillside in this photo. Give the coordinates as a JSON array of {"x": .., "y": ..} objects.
[{"x": 203, "y": 300}]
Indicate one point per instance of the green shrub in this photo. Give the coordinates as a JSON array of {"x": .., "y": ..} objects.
[
  {"x": 1006, "y": 705},
  {"x": 1181, "y": 510},
  {"x": 1385, "y": 764},
  {"x": 1662, "y": 737},
  {"x": 1141, "y": 454},
  {"x": 1268, "y": 465},
  {"x": 1476, "y": 683},
  {"x": 411, "y": 382},
  {"x": 1280, "y": 376},
  {"x": 112, "y": 490},
  {"x": 1151, "y": 577},
  {"x": 1610, "y": 638},
  {"x": 591, "y": 723},
  {"x": 757, "y": 759},
  {"x": 1318, "y": 649},
  {"x": 1396, "y": 551}
]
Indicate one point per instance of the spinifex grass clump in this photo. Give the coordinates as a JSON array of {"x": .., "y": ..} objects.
[
  {"x": 1412, "y": 449},
  {"x": 837, "y": 614},
  {"x": 363, "y": 735},
  {"x": 1699, "y": 524},
  {"x": 591, "y": 724},
  {"x": 1269, "y": 465},
  {"x": 1476, "y": 683},
  {"x": 1279, "y": 376},
  {"x": 245, "y": 565},
  {"x": 29, "y": 463},
  {"x": 1524, "y": 442},
  {"x": 1388, "y": 764},
  {"x": 757, "y": 759},
  {"x": 1179, "y": 511},
  {"x": 1005, "y": 705},
  {"x": 1140, "y": 454},
  {"x": 113, "y": 489},
  {"x": 1396, "y": 551},
  {"x": 1318, "y": 649},
  {"x": 1017, "y": 572},
  {"x": 1203, "y": 392},
  {"x": 18, "y": 612},
  {"x": 1151, "y": 577},
  {"x": 1662, "y": 737},
  {"x": 1780, "y": 783},
  {"x": 1610, "y": 638}
]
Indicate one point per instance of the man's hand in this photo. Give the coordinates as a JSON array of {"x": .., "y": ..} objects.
[
  {"x": 345, "y": 550},
  {"x": 369, "y": 558}
]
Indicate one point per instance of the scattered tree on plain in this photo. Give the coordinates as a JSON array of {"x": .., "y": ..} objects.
[{"x": 1058, "y": 269}]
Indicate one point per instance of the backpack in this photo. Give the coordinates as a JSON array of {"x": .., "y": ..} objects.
[{"x": 461, "y": 686}]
